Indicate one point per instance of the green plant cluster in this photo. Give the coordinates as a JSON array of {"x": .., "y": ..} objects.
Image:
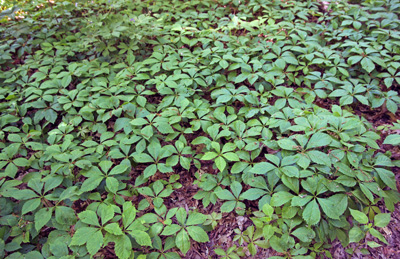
[{"x": 106, "y": 106}]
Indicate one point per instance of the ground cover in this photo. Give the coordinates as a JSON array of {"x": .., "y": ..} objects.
[{"x": 199, "y": 129}]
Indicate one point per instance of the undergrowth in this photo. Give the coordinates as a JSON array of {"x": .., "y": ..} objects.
[{"x": 108, "y": 107}]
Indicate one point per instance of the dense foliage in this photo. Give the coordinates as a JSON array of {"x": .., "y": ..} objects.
[{"x": 107, "y": 106}]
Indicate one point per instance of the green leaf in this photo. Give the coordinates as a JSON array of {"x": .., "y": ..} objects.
[
  {"x": 22, "y": 162},
  {"x": 231, "y": 156},
  {"x": 68, "y": 193},
  {"x": 357, "y": 24},
  {"x": 359, "y": 216},
  {"x": 30, "y": 205},
  {"x": 171, "y": 229},
  {"x": 106, "y": 212},
  {"x": 95, "y": 242},
  {"x": 181, "y": 215},
  {"x": 24, "y": 194},
  {"x": 209, "y": 156},
  {"x": 355, "y": 234},
  {"x": 373, "y": 244},
  {"x": 154, "y": 149},
  {"x": 311, "y": 213},
  {"x": 300, "y": 201},
  {"x": 367, "y": 192},
  {"x": 346, "y": 100},
  {"x": 252, "y": 78},
  {"x": 262, "y": 168},
  {"x": 150, "y": 171},
  {"x": 139, "y": 122},
  {"x": 129, "y": 214},
  {"x": 91, "y": 183},
  {"x": 381, "y": 220},
  {"x": 267, "y": 209},
  {"x": 143, "y": 158},
  {"x": 225, "y": 195},
  {"x": 236, "y": 188},
  {"x": 291, "y": 182},
  {"x": 182, "y": 241},
  {"x": 82, "y": 235},
  {"x": 141, "y": 237},
  {"x": 65, "y": 215},
  {"x": 130, "y": 58},
  {"x": 252, "y": 194},
  {"x": 113, "y": 228},
  {"x": 367, "y": 64},
  {"x": 319, "y": 157},
  {"x": 329, "y": 208},
  {"x": 11, "y": 170},
  {"x": 228, "y": 206},
  {"x": 65, "y": 81},
  {"x": 290, "y": 171},
  {"x": 391, "y": 106},
  {"x": 240, "y": 78},
  {"x": 112, "y": 184},
  {"x": 42, "y": 217},
  {"x": 196, "y": 218},
  {"x": 318, "y": 140},
  {"x": 158, "y": 187},
  {"x": 304, "y": 234},
  {"x": 378, "y": 235},
  {"x": 198, "y": 234},
  {"x": 223, "y": 63},
  {"x": 89, "y": 217},
  {"x": 346, "y": 181},
  {"x": 362, "y": 99},
  {"x": 32, "y": 255},
  {"x": 334, "y": 206},
  {"x": 378, "y": 61},
  {"x": 278, "y": 245},
  {"x": 228, "y": 147},
  {"x": 393, "y": 139},
  {"x": 220, "y": 163},
  {"x": 340, "y": 203},
  {"x": 50, "y": 115},
  {"x": 280, "y": 198},
  {"x": 287, "y": 144},
  {"x": 354, "y": 59},
  {"x": 268, "y": 231},
  {"x": 290, "y": 59},
  {"x": 147, "y": 132},
  {"x": 387, "y": 177},
  {"x": 119, "y": 169},
  {"x": 123, "y": 247}
]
